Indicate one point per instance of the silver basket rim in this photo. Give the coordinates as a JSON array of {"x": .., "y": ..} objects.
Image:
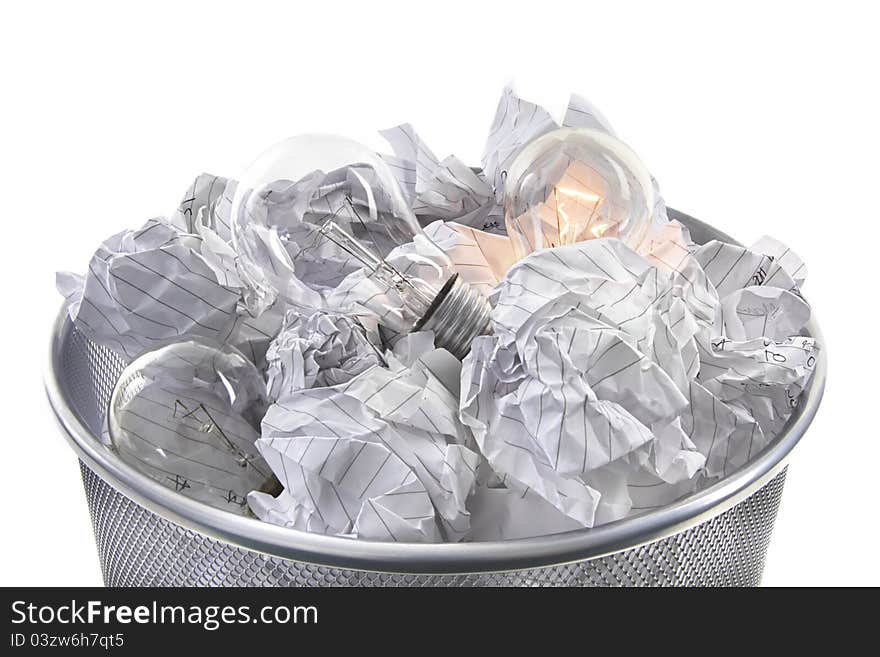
[{"x": 439, "y": 558}]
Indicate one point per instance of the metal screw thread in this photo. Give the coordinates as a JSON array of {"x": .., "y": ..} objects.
[{"x": 459, "y": 317}]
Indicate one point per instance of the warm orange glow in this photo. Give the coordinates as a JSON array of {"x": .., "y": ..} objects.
[
  {"x": 598, "y": 230},
  {"x": 570, "y": 230},
  {"x": 576, "y": 193},
  {"x": 566, "y": 224}
]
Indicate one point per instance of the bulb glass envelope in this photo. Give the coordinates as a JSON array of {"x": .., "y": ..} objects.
[
  {"x": 187, "y": 414},
  {"x": 315, "y": 208},
  {"x": 576, "y": 184}
]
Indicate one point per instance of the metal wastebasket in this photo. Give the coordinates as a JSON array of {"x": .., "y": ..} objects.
[{"x": 148, "y": 535}]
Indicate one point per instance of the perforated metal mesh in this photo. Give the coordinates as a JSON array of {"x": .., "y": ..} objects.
[{"x": 139, "y": 548}]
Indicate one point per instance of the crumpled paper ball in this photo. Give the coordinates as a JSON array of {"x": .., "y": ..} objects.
[
  {"x": 659, "y": 369},
  {"x": 148, "y": 285},
  {"x": 381, "y": 457},
  {"x": 318, "y": 350},
  {"x": 161, "y": 281},
  {"x": 563, "y": 390},
  {"x": 754, "y": 363}
]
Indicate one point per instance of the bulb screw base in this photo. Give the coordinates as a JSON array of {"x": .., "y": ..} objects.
[{"x": 458, "y": 314}]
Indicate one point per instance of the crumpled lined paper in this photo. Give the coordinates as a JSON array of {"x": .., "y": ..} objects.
[
  {"x": 320, "y": 350},
  {"x": 382, "y": 457},
  {"x": 441, "y": 189},
  {"x": 207, "y": 202},
  {"x": 599, "y": 360},
  {"x": 149, "y": 285},
  {"x": 564, "y": 387},
  {"x": 161, "y": 282},
  {"x": 614, "y": 380}
]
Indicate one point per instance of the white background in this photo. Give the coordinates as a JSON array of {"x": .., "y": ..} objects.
[{"x": 758, "y": 118}]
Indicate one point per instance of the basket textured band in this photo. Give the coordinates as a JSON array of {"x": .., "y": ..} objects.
[
  {"x": 139, "y": 548},
  {"x": 147, "y": 535}
]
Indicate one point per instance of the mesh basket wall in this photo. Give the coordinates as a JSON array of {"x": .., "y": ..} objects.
[{"x": 138, "y": 548}]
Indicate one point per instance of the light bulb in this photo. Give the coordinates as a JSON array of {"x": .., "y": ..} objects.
[
  {"x": 575, "y": 184},
  {"x": 314, "y": 208},
  {"x": 188, "y": 414}
]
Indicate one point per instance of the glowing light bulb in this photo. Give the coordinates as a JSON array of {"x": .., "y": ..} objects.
[
  {"x": 571, "y": 185},
  {"x": 188, "y": 414},
  {"x": 314, "y": 208}
]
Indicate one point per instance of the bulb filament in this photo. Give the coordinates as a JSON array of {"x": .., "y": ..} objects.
[
  {"x": 374, "y": 263},
  {"x": 566, "y": 227}
]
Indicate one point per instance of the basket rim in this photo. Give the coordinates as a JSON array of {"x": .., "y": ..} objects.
[{"x": 435, "y": 558}]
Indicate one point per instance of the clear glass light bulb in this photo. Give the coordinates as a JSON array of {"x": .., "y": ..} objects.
[
  {"x": 317, "y": 207},
  {"x": 575, "y": 184},
  {"x": 187, "y": 414}
]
